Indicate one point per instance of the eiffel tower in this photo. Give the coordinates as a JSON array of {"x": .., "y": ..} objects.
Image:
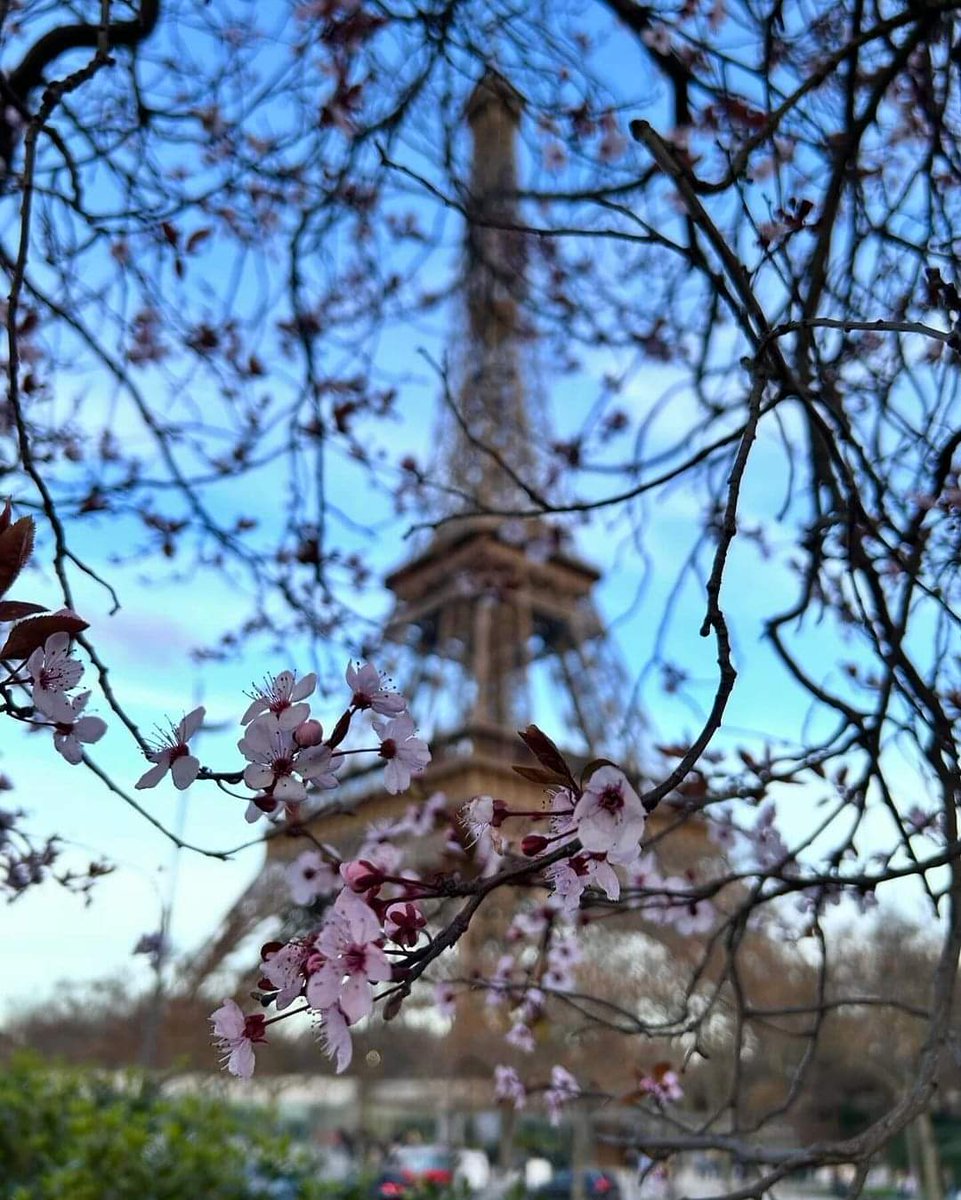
[{"x": 490, "y": 605}]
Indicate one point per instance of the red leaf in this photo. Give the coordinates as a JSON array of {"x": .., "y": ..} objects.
[
  {"x": 197, "y": 239},
  {"x": 32, "y": 633},
  {"x": 675, "y": 750},
  {"x": 15, "y": 610},
  {"x": 16, "y": 546},
  {"x": 546, "y": 753}
]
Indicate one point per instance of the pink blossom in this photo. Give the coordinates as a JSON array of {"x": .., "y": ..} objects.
[
  {"x": 310, "y": 876},
  {"x": 354, "y": 960},
  {"x": 54, "y": 672},
  {"x": 569, "y": 878},
  {"x": 286, "y": 970},
  {"x": 271, "y": 754},
  {"x": 603, "y": 875},
  {"x": 645, "y": 874},
  {"x": 445, "y": 999},
  {"x": 421, "y": 819},
  {"x": 500, "y": 980},
  {"x": 528, "y": 924},
  {"x": 721, "y": 831},
  {"x": 562, "y": 825},
  {"x": 563, "y": 955},
  {"x": 766, "y": 841},
  {"x": 279, "y": 696},
  {"x": 235, "y": 1035},
  {"x": 695, "y": 917},
  {"x": 521, "y": 1038},
  {"x": 69, "y": 737},
  {"x": 564, "y": 1088},
  {"x": 378, "y": 848},
  {"x": 367, "y": 686},
  {"x": 610, "y": 817},
  {"x": 405, "y": 754},
  {"x": 508, "y": 1086},
  {"x": 662, "y": 1084},
  {"x": 482, "y": 815},
  {"x": 319, "y": 766},
  {"x": 532, "y": 1006},
  {"x": 173, "y": 754}
]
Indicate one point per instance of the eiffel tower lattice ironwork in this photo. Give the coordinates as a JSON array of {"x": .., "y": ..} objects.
[{"x": 488, "y": 602}]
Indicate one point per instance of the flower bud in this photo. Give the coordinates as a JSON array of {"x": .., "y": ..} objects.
[
  {"x": 392, "y": 1007},
  {"x": 361, "y": 875},
  {"x": 533, "y": 845},
  {"x": 309, "y": 733}
]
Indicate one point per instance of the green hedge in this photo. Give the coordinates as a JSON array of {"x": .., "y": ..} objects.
[{"x": 77, "y": 1135}]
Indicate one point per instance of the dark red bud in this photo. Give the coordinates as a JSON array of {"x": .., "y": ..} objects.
[
  {"x": 533, "y": 844},
  {"x": 340, "y": 730},
  {"x": 393, "y": 1005}
]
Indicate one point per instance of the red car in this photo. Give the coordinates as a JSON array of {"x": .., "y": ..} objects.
[{"x": 410, "y": 1168}]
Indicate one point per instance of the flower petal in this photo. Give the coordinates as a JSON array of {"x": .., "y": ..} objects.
[
  {"x": 152, "y": 777},
  {"x": 335, "y": 1039},
  {"x": 287, "y": 788},
  {"x": 257, "y": 706},
  {"x": 228, "y": 1020},
  {"x": 191, "y": 723},
  {"x": 241, "y": 1061},
  {"x": 256, "y": 776},
  {"x": 184, "y": 771},
  {"x": 293, "y": 716},
  {"x": 69, "y": 747},
  {"x": 356, "y": 999},
  {"x": 90, "y": 729},
  {"x": 304, "y": 687}
]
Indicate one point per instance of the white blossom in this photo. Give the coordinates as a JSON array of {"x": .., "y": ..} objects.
[
  {"x": 54, "y": 672},
  {"x": 280, "y": 695},
  {"x": 173, "y": 754}
]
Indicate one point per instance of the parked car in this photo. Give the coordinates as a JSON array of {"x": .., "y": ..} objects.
[
  {"x": 411, "y": 1168},
  {"x": 598, "y": 1185}
]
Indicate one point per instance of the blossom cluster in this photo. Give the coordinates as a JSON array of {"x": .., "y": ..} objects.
[
  {"x": 606, "y": 819},
  {"x": 334, "y": 970},
  {"x": 54, "y": 672},
  {"x": 284, "y": 745}
]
